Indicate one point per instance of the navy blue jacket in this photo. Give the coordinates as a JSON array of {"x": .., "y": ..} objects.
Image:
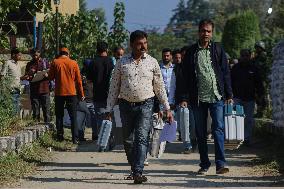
[{"x": 220, "y": 67}]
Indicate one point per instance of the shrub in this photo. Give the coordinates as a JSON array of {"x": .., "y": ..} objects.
[{"x": 241, "y": 31}]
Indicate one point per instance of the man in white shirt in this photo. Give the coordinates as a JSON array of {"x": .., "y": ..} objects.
[
  {"x": 12, "y": 69},
  {"x": 136, "y": 79},
  {"x": 168, "y": 74}
]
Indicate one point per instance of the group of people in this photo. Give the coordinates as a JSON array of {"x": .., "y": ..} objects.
[{"x": 196, "y": 77}]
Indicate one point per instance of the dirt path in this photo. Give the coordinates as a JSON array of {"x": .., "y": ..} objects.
[{"x": 90, "y": 169}]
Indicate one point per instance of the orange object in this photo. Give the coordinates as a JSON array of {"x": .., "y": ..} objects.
[
  {"x": 67, "y": 77},
  {"x": 64, "y": 49}
]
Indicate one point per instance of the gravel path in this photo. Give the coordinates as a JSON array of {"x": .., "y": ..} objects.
[{"x": 87, "y": 168}]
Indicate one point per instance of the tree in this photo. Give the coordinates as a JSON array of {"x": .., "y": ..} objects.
[
  {"x": 79, "y": 33},
  {"x": 83, "y": 5},
  {"x": 241, "y": 31},
  {"x": 186, "y": 17},
  {"x": 118, "y": 34},
  {"x": 7, "y": 6},
  {"x": 159, "y": 41}
]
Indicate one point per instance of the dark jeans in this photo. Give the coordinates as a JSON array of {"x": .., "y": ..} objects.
[
  {"x": 91, "y": 119},
  {"x": 43, "y": 101},
  {"x": 136, "y": 124},
  {"x": 200, "y": 115},
  {"x": 82, "y": 116},
  {"x": 71, "y": 105},
  {"x": 16, "y": 101},
  {"x": 100, "y": 107}
]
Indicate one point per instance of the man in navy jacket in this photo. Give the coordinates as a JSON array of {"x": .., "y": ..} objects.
[{"x": 207, "y": 85}]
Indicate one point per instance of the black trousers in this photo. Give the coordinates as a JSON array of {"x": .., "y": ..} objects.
[
  {"x": 43, "y": 101},
  {"x": 70, "y": 102}
]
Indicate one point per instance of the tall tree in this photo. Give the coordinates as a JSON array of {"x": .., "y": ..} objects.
[
  {"x": 186, "y": 17},
  {"x": 118, "y": 34},
  {"x": 82, "y": 5}
]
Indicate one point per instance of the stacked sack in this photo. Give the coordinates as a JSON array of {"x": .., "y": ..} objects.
[{"x": 277, "y": 84}]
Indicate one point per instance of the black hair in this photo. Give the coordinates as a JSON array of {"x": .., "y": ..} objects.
[
  {"x": 34, "y": 51},
  {"x": 205, "y": 22},
  {"x": 102, "y": 47},
  {"x": 138, "y": 34},
  {"x": 166, "y": 50},
  {"x": 184, "y": 48},
  {"x": 176, "y": 51},
  {"x": 115, "y": 49},
  {"x": 14, "y": 51},
  {"x": 61, "y": 53}
]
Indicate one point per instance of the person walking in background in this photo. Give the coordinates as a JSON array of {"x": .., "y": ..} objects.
[
  {"x": 190, "y": 145},
  {"x": 169, "y": 78},
  {"x": 89, "y": 94},
  {"x": 247, "y": 85},
  {"x": 118, "y": 52},
  {"x": 206, "y": 85},
  {"x": 260, "y": 61},
  {"x": 136, "y": 79},
  {"x": 100, "y": 71},
  {"x": 12, "y": 69},
  {"x": 68, "y": 88},
  {"x": 39, "y": 90}
]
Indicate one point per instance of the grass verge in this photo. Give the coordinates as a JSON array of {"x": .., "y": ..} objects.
[
  {"x": 15, "y": 166},
  {"x": 271, "y": 157}
]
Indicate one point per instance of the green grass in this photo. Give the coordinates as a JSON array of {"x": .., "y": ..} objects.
[
  {"x": 49, "y": 141},
  {"x": 271, "y": 157},
  {"x": 15, "y": 166}
]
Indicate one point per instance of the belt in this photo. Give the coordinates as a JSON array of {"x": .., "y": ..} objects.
[{"x": 135, "y": 103}]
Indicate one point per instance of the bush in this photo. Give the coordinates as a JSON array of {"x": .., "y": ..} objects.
[
  {"x": 6, "y": 106},
  {"x": 241, "y": 31}
]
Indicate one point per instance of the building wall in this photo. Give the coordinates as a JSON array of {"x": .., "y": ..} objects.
[{"x": 66, "y": 7}]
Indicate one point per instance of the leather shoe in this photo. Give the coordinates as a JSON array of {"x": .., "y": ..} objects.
[{"x": 139, "y": 179}]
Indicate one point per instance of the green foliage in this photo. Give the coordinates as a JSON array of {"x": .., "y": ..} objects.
[
  {"x": 6, "y": 107},
  {"x": 184, "y": 22},
  {"x": 49, "y": 140},
  {"x": 12, "y": 168},
  {"x": 7, "y": 6},
  {"x": 78, "y": 32},
  {"x": 81, "y": 32},
  {"x": 118, "y": 35},
  {"x": 241, "y": 31},
  {"x": 83, "y": 5},
  {"x": 156, "y": 43}
]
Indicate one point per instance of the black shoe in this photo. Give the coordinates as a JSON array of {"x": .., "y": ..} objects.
[
  {"x": 187, "y": 151},
  {"x": 94, "y": 138},
  {"x": 139, "y": 179},
  {"x": 222, "y": 170},
  {"x": 202, "y": 171},
  {"x": 101, "y": 150}
]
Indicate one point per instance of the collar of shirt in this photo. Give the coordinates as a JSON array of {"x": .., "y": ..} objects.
[
  {"x": 162, "y": 65},
  {"x": 201, "y": 48},
  {"x": 143, "y": 56}
]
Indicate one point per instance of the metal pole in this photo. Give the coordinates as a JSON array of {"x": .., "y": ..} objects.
[
  {"x": 34, "y": 30},
  {"x": 56, "y": 31}
]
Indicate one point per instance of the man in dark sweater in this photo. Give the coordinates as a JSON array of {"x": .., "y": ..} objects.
[
  {"x": 247, "y": 84},
  {"x": 100, "y": 73},
  {"x": 39, "y": 90}
]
